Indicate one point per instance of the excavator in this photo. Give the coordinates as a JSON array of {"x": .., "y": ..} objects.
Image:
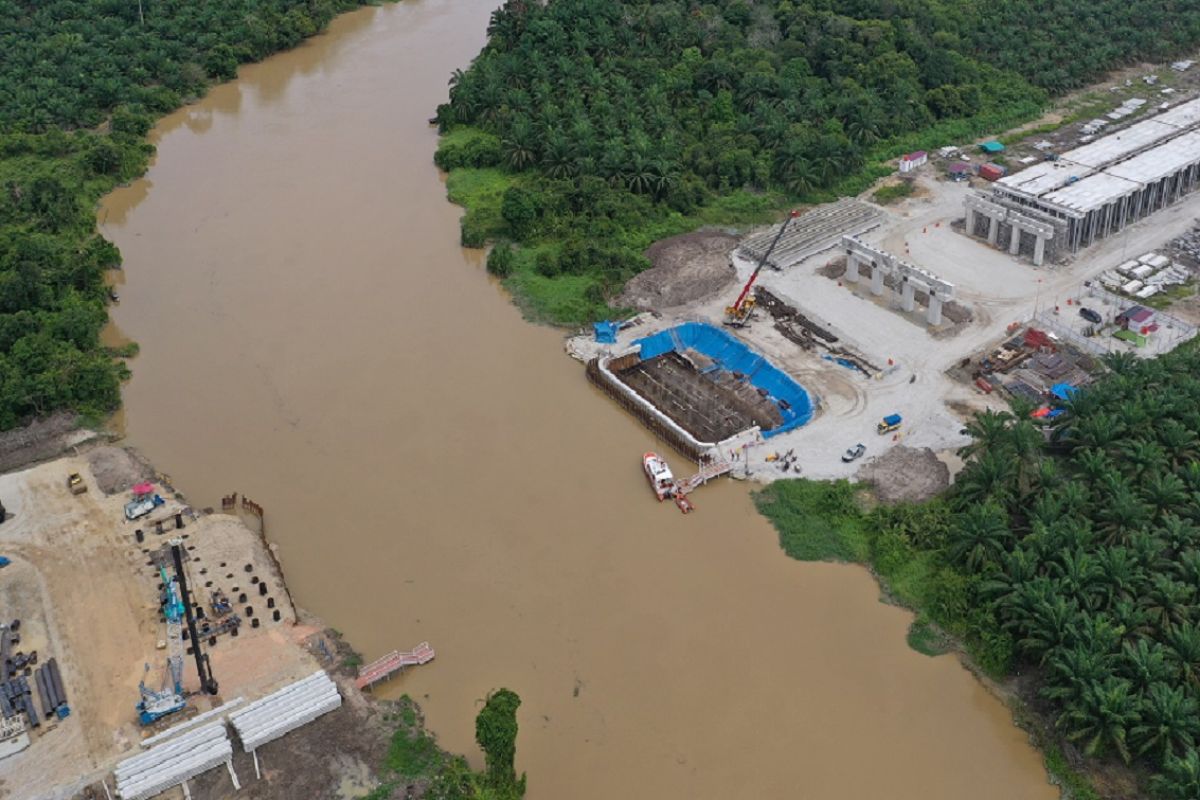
[{"x": 739, "y": 314}]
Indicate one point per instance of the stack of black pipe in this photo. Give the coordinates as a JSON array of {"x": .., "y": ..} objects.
[
  {"x": 18, "y": 698},
  {"x": 50, "y": 687}
]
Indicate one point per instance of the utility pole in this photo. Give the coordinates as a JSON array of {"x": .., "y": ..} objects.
[{"x": 141, "y": 16}]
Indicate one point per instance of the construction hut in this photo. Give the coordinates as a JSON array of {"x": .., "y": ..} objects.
[
  {"x": 959, "y": 171},
  {"x": 910, "y": 161},
  {"x": 992, "y": 148},
  {"x": 1137, "y": 324}
]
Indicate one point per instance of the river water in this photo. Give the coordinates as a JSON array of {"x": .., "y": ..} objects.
[{"x": 434, "y": 468}]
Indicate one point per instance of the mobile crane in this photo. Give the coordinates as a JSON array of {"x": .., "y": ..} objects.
[{"x": 738, "y": 314}]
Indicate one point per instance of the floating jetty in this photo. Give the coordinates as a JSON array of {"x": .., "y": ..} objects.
[{"x": 383, "y": 668}]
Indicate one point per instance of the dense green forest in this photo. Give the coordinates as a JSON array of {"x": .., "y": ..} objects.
[
  {"x": 81, "y": 82},
  {"x": 1070, "y": 554},
  {"x": 587, "y": 128}
]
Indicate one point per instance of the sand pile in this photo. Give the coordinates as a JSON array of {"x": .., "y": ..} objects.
[{"x": 906, "y": 474}]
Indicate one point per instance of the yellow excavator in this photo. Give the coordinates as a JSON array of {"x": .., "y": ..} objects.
[{"x": 742, "y": 309}]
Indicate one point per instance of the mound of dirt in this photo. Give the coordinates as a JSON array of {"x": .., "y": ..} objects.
[
  {"x": 686, "y": 268},
  {"x": 906, "y": 474},
  {"x": 115, "y": 469}
]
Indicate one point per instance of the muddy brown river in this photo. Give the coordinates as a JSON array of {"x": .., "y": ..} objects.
[{"x": 434, "y": 468}]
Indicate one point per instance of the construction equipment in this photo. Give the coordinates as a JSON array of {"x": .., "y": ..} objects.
[
  {"x": 76, "y": 484},
  {"x": 155, "y": 705},
  {"x": 177, "y": 611},
  {"x": 742, "y": 309},
  {"x": 219, "y": 603}
]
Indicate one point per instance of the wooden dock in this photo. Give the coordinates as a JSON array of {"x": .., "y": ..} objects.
[{"x": 384, "y": 667}]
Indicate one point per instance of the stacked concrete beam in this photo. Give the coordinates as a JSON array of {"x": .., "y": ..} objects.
[{"x": 818, "y": 230}]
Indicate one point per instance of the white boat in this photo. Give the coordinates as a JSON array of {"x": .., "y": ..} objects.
[{"x": 659, "y": 474}]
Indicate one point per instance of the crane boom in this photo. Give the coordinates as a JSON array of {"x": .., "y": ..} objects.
[{"x": 739, "y": 312}]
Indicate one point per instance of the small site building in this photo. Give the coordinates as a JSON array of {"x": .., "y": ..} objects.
[
  {"x": 992, "y": 147},
  {"x": 911, "y": 161},
  {"x": 1138, "y": 319},
  {"x": 958, "y": 171}
]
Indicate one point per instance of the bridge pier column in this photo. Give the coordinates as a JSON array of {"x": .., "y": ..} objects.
[
  {"x": 1039, "y": 250},
  {"x": 934, "y": 317},
  {"x": 908, "y": 296},
  {"x": 1014, "y": 241},
  {"x": 876, "y": 280},
  {"x": 852, "y": 262},
  {"x": 993, "y": 230}
]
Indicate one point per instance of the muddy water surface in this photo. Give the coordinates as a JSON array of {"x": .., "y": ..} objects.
[{"x": 435, "y": 469}]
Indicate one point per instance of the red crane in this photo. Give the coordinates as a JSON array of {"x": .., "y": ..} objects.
[{"x": 739, "y": 313}]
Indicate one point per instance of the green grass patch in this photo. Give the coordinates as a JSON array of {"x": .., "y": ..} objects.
[
  {"x": 1172, "y": 295},
  {"x": 927, "y": 639},
  {"x": 816, "y": 520},
  {"x": 480, "y": 192},
  {"x": 894, "y": 192}
]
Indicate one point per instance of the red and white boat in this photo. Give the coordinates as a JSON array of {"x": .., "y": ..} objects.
[{"x": 659, "y": 474}]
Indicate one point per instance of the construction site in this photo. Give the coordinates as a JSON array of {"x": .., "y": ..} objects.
[
  {"x": 895, "y": 323},
  {"x": 151, "y": 647}
]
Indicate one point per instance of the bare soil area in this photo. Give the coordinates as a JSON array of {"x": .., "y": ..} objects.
[
  {"x": 906, "y": 474},
  {"x": 686, "y": 268},
  {"x": 40, "y": 440}
]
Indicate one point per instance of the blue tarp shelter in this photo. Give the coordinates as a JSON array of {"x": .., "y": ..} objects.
[{"x": 606, "y": 331}]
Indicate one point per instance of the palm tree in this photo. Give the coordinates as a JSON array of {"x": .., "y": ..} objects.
[
  {"x": 1180, "y": 778},
  {"x": 1122, "y": 363},
  {"x": 1183, "y": 648},
  {"x": 1102, "y": 718},
  {"x": 1073, "y": 668},
  {"x": 1169, "y": 726},
  {"x": 1047, "y": 623},
  {"x": 519, "y": 148},
  {"x": 981, "y": 537},
  {"x": 1123, "y": 512},
  {"x": 989, "y": 478},
  {"x": 1145, "y": 663},
  {"x": 1168, "y": 601},
  {"x": 1164, "y": 492},
  {"x": 1121, "y": 574},
  {"x": 988, "y": 430}
]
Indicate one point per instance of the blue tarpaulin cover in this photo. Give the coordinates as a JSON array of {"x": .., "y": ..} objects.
[
  {"x": 790, "y": 398},
  {"x": 606, "y": 332},
  {"x": 1063, "y": 391}
]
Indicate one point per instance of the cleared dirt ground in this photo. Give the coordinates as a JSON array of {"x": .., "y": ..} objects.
[
  {"x": 686, "y": 268},
  {"x": 85, "y": 593}
]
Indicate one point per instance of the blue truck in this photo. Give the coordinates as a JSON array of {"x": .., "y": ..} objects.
[{"x": 889, "y": 423}]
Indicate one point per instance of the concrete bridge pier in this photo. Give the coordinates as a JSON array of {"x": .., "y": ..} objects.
[
  {"x": 852, "y": 263},
  {"x": 1039, "y": 250},
  {"x": 1014, "y": 241},
  {"x": 934, "y": 317},
  {"x": 908, "y": 297},
  {"x": 876, "y": 279}
]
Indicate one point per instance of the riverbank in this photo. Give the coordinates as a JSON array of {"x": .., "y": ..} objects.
[{"x": 84, "y": 583}]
